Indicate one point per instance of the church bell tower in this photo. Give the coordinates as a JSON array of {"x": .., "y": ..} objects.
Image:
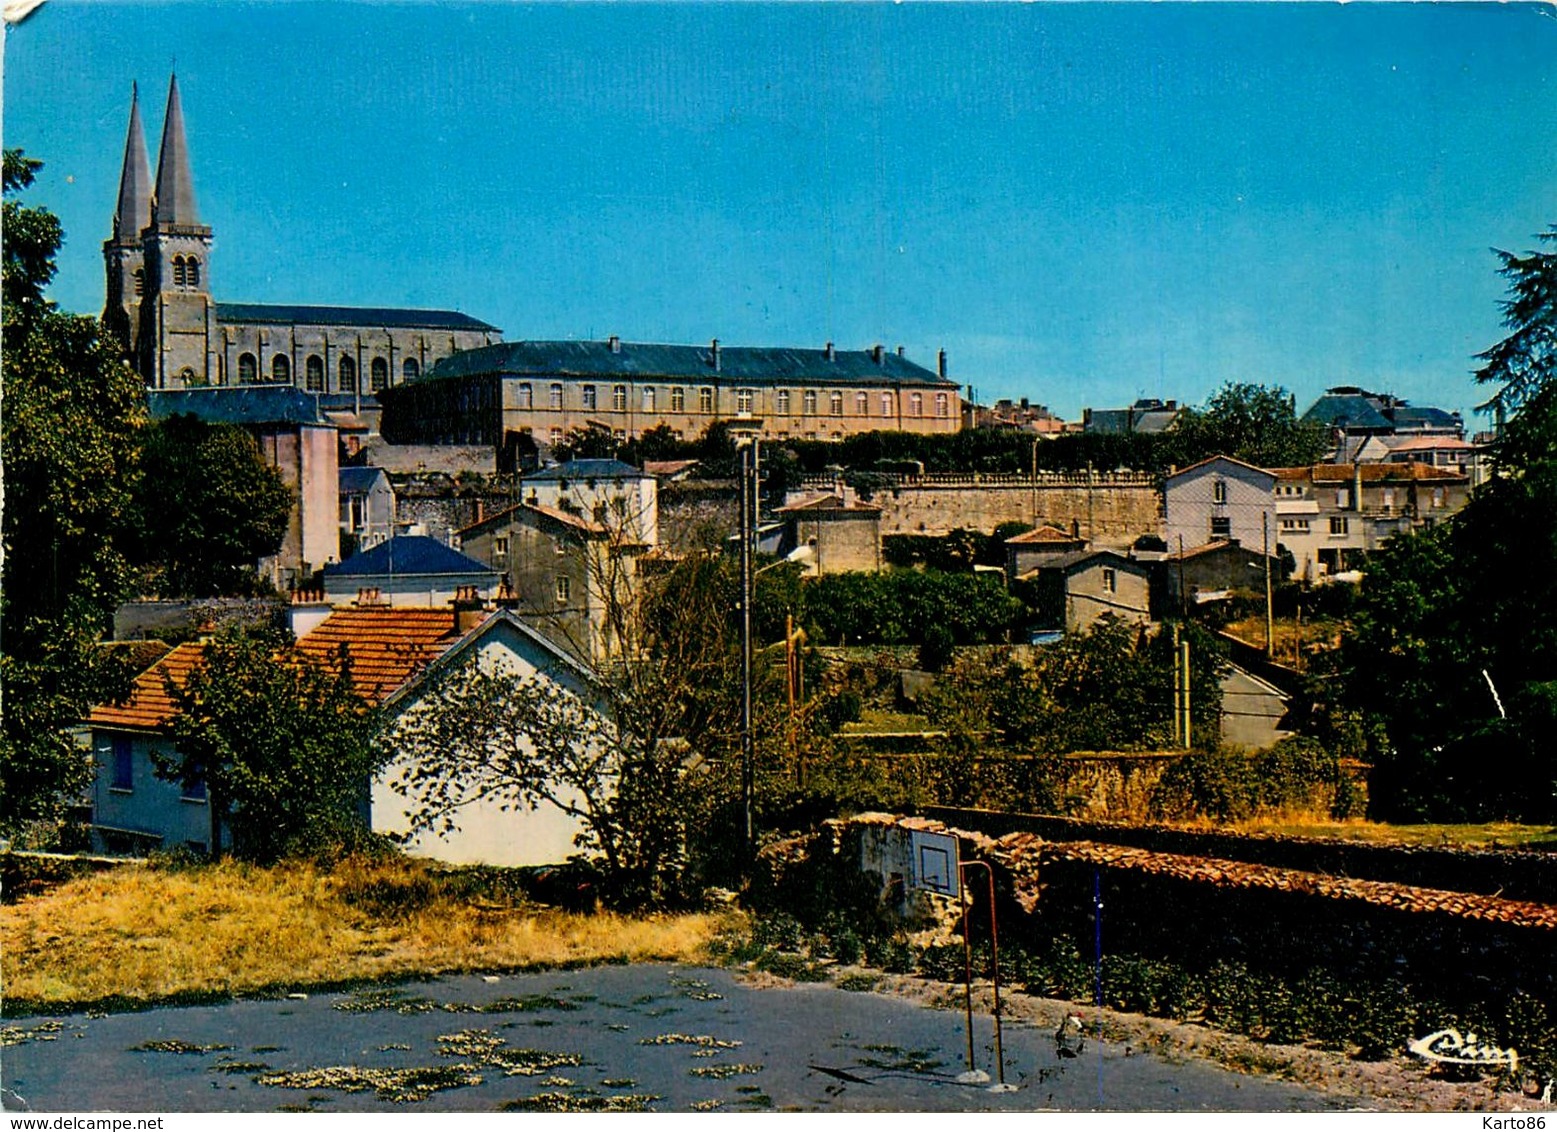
[
  {"x": 123, "y": 257},
  {"x": 177, "y": 332}
]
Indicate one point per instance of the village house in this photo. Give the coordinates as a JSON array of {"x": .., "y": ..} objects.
[
  {"x": 613, "y": 494},
  {"x": 409, "y": 570},
  {"x": 1031, "y": 549},
  {"x": 1220, "y": 498},
  {"x": 831, "y": 534},
  {"x": 1214, "y": 571},
  {"x": 1329, "y": 515},
  {"x": 392, "y": 652},
  {"x": 573, "y": 579},
  {"x": 367, "y": 509},
  {"x": 1076, "y": 590}
]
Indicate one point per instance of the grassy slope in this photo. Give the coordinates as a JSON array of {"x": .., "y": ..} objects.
[{"x": 138, "y": 934}]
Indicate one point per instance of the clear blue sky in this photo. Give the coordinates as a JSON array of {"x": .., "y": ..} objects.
[{"x": 1082, "y": 204}]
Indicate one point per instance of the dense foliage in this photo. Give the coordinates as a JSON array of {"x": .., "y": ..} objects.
[
  {"x": 1454, "y": 641},
  {"x": 208, "y": 507},
  {"x": 69, "y": 446},
  {"x": 284, "y": 746}
]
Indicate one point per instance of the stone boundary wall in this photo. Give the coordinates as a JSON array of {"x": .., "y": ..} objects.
[
  {"x": 1514, "y": 874},
  {"x": 1112, "y": 510}
]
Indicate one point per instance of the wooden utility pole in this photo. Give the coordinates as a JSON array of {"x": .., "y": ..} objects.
[
  {"x": 1270, "y": 620},
  {"x": 1184, "y": 677},
  {"x": 1178, "y": 692}
]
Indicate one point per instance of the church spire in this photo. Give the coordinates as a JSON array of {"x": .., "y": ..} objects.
[
  {"x": 175, "y": 199},
  {"x": 134, "y": 211}
]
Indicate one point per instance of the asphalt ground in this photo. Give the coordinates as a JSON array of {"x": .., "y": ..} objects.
[{"x": 628, "y": 1038}]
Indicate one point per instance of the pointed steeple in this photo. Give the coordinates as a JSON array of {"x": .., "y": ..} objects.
[
  {"x": 175, "y": 199},
  {"x": 134, "y": 211}
]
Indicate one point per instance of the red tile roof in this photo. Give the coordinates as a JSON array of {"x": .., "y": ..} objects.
[
  {"x": 1370, "y": 473},
  {"x": 829, "y": 503},
  {"x": 386, "y": 646},
  {"x": 1044, "y": 534},
  {"x": 149, "y": 706}
]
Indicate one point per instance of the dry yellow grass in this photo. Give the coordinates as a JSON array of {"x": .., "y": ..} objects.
[{"x": 146, "y": 934}]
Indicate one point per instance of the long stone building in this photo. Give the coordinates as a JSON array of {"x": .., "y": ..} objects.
[
  {"x": 548, "y": 389},
  {"x": 160, "y": 308}
]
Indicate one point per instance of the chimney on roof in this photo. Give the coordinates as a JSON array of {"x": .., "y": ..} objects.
[
  {"x": 469, "y": 609},
  {"x": 940, "y": 363},
  {"x": 507, "y": 596},
  {"x": 875, "y": 353},
  {"x": 616, "y": 344},
  {"x": 829, "y": 353},
  {"x": 370, "y": 597},
  {"x": 714, "y": 355},
  {"x": 900, "y": 351},
  {"x": 307, "y": 612}
]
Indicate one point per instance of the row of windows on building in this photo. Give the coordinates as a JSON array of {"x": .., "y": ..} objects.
[
  {"x": 314, "y": 376},
  {"x": 745, "y": 401}
]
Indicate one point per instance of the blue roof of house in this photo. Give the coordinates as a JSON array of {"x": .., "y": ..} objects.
[
  {"x": 1350, "y": 410},
  {"x": 296, "y": 315},
  {"x": 359, "y": 479},
  {"x": 585, "y": 469},
  {"x": 757, "y": 365},
  {"x": 408, "y": 554},
  {"x": 237, "y": 404},
  {"x": 1424, "y": 416}
]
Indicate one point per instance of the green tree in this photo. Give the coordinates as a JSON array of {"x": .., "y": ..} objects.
[
  {"x": 1254, "y": 423},
  {"x": 68, "y": 444},
  {"x": 643, "y": 755},
  {"x": 1526, "y": 361},
  {"x": 284, "y": 745},
  {"x": 208, "y": 508},
  {"x": 1453, "y": 646}
]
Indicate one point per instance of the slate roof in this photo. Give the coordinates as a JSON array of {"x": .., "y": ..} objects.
[
  {"x": 386, "y": 646},
  {"x": 584, "y": 469},
  {"x": 294, "y": 314},
  {"x": 149, "y": 706},
  {"x": 407, "y": 554},
  {"x": 237, "y": 404},
  {"x": 1074, "y": 561},
  {"x": 1349, "y": 410},
  {"x": 359, "y": 479},
  {"x": 1416, "y": 417},
  {"x": 566, "y": 518},
  {"x": 754, "y": 365}
]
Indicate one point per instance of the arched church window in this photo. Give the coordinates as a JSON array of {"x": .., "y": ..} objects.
[
  {"x": 281, "y": 369},
  {"x": 178, "y": 271},
  {"x": 248, "y": 369},
  {"x": 140, "y": 280},
  {"x": 346, "y": 373},
  {"x": 192, "y": 272},
  {"x": 313, "y": 371},
  {"x": 409, "y": 370},
  {"x": 380, "y": 374}
]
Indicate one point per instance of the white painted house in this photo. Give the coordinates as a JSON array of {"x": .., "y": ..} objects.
[
  {"x": 393, "y": 652},
  {"x": 1220, "y": 498}
]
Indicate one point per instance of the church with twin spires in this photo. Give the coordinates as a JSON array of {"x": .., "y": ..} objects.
[{"x": 159, "y": 305}]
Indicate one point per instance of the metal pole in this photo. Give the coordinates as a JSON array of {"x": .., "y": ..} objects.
[
  {"x": 1178, "y": 690},
  {"x": 967, "y": 967},
  {"x": 746, "y": 644},
  {"x": 994, "y": 958}
]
